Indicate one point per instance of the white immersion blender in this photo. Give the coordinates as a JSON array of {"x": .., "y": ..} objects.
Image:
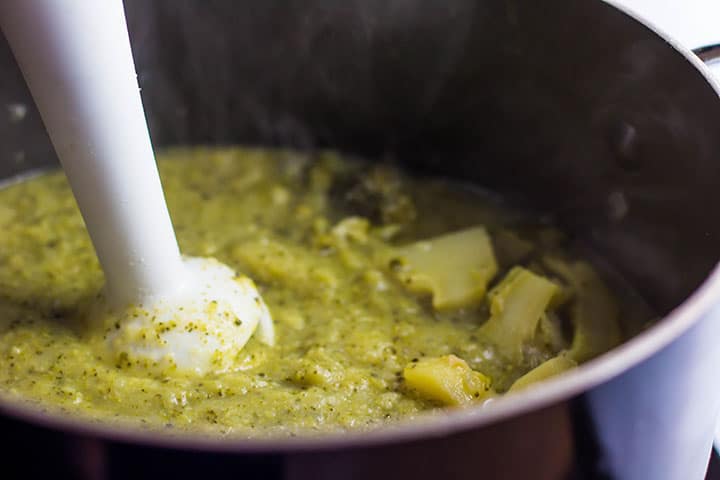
[{"x": 170, "y": 312}]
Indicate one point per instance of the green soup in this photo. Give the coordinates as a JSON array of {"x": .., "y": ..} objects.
[{"x": 390, "y": 295}]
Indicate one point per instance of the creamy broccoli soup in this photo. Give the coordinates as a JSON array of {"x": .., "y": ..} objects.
[{"x": 391, "y": 295}]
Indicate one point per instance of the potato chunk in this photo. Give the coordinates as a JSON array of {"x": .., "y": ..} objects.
[
  {"x": 455, "y": 268},
  {"x": 447, "y": 380},
  {"x": 516, "y": 306}
]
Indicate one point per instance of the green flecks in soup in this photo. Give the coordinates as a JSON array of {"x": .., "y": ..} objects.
[{"x": 390, "y": 296}]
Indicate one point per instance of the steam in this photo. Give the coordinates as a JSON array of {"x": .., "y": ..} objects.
[{"x": 292, "y": 73}]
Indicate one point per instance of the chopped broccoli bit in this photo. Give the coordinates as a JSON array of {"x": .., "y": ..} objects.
[
  {"x": 516, "y": 305},
  {"x": 455, "y": 268},
  {"x": 447, "y": 380},
  {"x": 549, "y": 332},
  {"x": 594, "y": 312},
  {"x": 510, "y": 248},
  {"x": 378, "y": 194},
  {"x": 547, "y": 369}
]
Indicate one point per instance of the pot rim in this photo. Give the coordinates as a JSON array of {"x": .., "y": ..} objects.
[{"x": 430, "y": 424}]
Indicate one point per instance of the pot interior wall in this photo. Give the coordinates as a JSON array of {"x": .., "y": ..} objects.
[{"x": 567, "y": 106}]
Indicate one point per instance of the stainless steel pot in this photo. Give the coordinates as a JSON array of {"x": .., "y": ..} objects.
[{"x": 570, "y": 106}]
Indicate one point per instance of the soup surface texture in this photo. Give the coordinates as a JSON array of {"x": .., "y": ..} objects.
[{"x": 391, "y": 295}]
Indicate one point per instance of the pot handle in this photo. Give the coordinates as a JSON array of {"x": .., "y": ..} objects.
[
  {"x": 708, "y": 53},
  {"x": 711, "y": 56}
]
